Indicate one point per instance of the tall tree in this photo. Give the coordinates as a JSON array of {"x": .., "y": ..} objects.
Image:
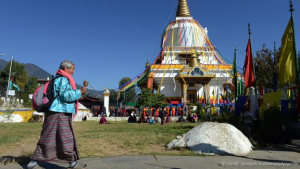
[
  {"x": 149, "y": 99},
  {"x": 27, "y": 85},
  {"x": 18, "y": 72},
  {"x": 112, "y": 96},
  {"x": 265, "y": 66},
  {"x": 31, "y": 85}
]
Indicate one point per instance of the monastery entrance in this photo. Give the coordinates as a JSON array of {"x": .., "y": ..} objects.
[{"x": 192, "y": 96}]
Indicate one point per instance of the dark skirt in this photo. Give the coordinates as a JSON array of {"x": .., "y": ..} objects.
[
  {"x": 163, "y": 120},
  {"x": 57, "y": 142}
]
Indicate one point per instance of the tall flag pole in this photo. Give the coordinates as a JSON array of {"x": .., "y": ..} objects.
[
  {"x": 234, "y": 71},
  {"x": 235, "y": 79},
  {"x": 214, "y": 99},
  {"x": 275, "y": 71},
  {"x": 249, "y": 72},
  {"x": 288, "y": 63},
  {"x": 295, "y": 49}
]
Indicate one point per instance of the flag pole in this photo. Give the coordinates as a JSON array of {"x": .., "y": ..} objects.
[
  {"x": 235, "y": 73},
  {"x": 235, "y": 79},
  {"x": 275, "y": 71},
  {"x": 249, "y": 32},
  {"x": 295, "y": 50}
]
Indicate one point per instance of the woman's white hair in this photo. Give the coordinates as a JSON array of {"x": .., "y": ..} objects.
[{"x": 66, "y": 64}]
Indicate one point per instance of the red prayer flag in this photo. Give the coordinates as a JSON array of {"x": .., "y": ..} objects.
[
  {"x": 261, "y": 90},
  {"x": 248, "y": 67}
]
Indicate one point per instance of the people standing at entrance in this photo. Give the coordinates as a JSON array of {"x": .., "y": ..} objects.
[
  {"x": 185, "y": 110},
  {"x": 162, "y": 115},
  {"x": 137, "y": 111},
  {"x": 117, "y": 111},
  {"x": 177, "y": 110},
  {"x": 57, "y": 141}
]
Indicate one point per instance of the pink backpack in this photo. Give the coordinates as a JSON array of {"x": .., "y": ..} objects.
[{"x": 43, "y": 96}]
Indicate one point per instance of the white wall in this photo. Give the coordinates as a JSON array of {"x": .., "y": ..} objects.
[{"x": 168, "y": 87}]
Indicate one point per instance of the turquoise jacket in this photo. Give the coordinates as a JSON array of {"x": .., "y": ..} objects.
[{"x": 65, "y": 102}]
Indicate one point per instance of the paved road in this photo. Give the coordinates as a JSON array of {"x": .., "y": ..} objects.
[{"x": 260, "y": 159}]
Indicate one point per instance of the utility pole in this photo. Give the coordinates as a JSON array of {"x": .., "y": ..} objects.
[{"x": 12, "y": 57}]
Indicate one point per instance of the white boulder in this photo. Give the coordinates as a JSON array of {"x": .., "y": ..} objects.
[
  {"x": 178, "y": 142},
  {"x": 215, "y": 138}
]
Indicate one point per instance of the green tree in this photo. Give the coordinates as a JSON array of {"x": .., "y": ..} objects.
[
  {"x": 18, "y": 72},
  {"x": 112, "y": 96},
  {"x": 31, "y": 85},
  {"x": 27, "y": 85},
  {"x": 265, "y": 66},
  {"x": 124, "y": 80},
  {"x": 149, "y": 99},
  {"x": 160, "y": 101}
]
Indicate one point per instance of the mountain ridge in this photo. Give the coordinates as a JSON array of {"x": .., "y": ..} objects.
[{"x": 36, "y": 71}]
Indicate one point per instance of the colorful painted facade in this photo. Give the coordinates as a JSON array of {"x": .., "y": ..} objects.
[{"x": 189, "y": 67}]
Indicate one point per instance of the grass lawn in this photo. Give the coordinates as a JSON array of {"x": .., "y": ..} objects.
[{"x": 94, "y": 140}]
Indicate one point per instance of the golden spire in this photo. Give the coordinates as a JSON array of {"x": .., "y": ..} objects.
[
  {"x": 183, "y": 9},
  {"x": 147, "y": 64}
]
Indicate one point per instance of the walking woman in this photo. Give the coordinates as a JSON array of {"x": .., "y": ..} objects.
[{"x": 57, "y": 142}]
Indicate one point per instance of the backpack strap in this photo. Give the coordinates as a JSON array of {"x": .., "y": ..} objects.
[
  {"x": 47, "y": 84},
  {"x": 45, "y": 88}
]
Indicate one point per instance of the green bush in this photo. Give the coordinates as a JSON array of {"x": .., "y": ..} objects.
[{"x": 273, "y": 125}]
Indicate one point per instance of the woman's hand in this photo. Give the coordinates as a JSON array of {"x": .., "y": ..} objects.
[{"x": 83, "y": 90}]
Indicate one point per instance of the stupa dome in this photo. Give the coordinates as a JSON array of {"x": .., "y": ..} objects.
[{"x": 185, "y": 32}]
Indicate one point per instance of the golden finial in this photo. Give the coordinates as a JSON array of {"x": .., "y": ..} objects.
[
  {"x": 183, "y": 9},
  {"x": 194, "y": 61},
  {"x": 147, "y": 64},
  {"x": 193, "y": 53}
]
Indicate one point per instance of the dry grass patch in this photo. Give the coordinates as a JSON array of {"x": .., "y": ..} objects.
[{"x": 96, "y": 140}]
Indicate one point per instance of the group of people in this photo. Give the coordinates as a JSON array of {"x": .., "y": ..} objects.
[
  {"x": 152, "y": 118},
  {"x": 98, "y": 111}
]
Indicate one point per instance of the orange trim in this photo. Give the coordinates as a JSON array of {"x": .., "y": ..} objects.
[
  {"x": 210, "y": 66},
  {"x": 218, "y": 66},
  {"x": 167, "y": 67}
]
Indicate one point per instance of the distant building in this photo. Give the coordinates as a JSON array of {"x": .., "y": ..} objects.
[{"x": 43, "y": 81}]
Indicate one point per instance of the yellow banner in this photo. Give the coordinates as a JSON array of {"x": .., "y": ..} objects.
[{"x": 287, "y": 66}]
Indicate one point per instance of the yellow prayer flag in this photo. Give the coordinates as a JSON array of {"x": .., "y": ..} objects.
[
  {"x": 287, "y": 66},
  {"x": 214, "y": 99}
]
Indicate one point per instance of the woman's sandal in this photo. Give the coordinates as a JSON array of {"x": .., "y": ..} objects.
[
  {"x": 78, "y": 165},
  {"x": 34, "y": 167}
]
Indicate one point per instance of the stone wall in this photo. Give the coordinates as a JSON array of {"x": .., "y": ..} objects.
[
  {"x": 114, "y": 119},
  {"x": 11, "y": 102}
]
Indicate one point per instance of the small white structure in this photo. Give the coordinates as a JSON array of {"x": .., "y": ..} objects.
[
  {"x": 106, "y": 100},
  {"x": 214, "y": 138},
  {"x": 82, "y": 112},
  {"x": 13, "y": 118},
  {"x": 38, "y": 116}
]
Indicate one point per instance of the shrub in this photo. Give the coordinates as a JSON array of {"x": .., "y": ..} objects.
[{"x": 273, "y": 126}]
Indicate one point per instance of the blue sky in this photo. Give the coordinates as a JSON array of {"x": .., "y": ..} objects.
[{"x": 111, "y": 39}]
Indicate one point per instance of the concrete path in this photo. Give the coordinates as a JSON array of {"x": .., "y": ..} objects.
[{"x": 258, "y": 159}]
